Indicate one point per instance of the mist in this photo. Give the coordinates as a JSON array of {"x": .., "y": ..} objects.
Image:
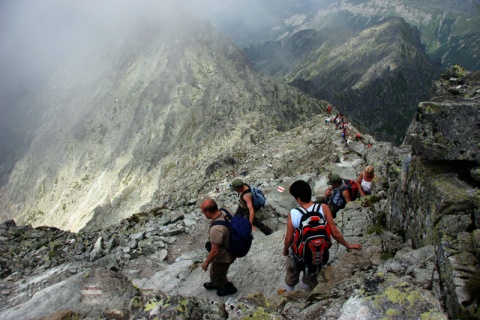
[{"x": 37, "y": 37}]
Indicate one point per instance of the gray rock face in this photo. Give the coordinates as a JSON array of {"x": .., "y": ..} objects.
[
  {"x": 87, "y": 293},
  {"x": 438, "y": 132},
  {"x": 435, "y": 201}
]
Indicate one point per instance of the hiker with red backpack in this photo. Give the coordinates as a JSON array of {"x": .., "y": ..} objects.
[
  {"x": 340, "y": 192},
  {"x": 308, "y": 238}
]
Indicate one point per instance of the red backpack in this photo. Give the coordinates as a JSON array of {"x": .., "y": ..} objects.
[
  {"x": 312, "y": 239},
  {"x": 353, "y": 188}
]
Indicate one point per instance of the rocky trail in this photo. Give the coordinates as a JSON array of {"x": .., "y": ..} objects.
[{"x": 419, "y": 257}]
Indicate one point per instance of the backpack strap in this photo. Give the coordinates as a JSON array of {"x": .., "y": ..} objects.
[
  {"x": 246, "y": 191},
  {"x": 223, "y": 223},
  {"x": 227, "y": 212},
  {"x": 316, "y": 209}
]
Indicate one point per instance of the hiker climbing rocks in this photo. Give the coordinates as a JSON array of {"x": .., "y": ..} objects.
[
  {"x": 320, "y": 221},
  {"x": 340, "y": 192},
  {"x": 246, "y": 206},
  {"x": 365, "y": 179},
  {"x": 219, "y": 259}
]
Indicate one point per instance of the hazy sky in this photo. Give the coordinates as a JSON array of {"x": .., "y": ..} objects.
[{"x": 37, "y": 35}]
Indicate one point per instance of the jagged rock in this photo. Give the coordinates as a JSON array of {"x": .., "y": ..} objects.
[
  {"x": 155, "y": 305},
  {"x": 424, "y": 220},
  {"x": 437, "y": 132},
  {"x": 253, "y": 306},
  {"x": 456, "y": 259},
  {"x": 415, "y": 266},
  {"x": 84, "y": 293},
  {"x": 475, "y": 173},
  {"x": 390, "y": 296},
  {"x": 97, "y": 250}
]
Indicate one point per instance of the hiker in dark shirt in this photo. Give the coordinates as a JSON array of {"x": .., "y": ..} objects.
[
  {"x": 340, "y": 192},
  {"x": 245, "y": 206}
]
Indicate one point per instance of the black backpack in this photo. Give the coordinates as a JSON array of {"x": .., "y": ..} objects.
[
  {"x": 240, "y": 234},
  {"x": 312, "y": 240}
]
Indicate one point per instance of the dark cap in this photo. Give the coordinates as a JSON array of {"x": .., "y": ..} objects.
[
  {"x": 236, "y": 184},
  {"x": 334, "y": 178}
]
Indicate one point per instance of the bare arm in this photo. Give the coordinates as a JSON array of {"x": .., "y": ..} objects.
[
  {"x": 360, "y": 177},
  {"x": 289, "y": 236},
  {"x": 211, "y": 256},
  {"x": 346, "y": 195},
  {"x": 336, "y": 234},
  {"x": 328, "y": 191},
  {"x": 359, "y": 181},
  {"x": 248, "y": 200}
]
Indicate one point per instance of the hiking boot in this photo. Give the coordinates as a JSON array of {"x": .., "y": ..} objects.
[
  {"x": 229, "y": 288},
  {"x": 210, "y": 286}
]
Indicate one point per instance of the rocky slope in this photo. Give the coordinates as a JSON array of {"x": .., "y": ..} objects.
[
  {"x": 419, "y": 231},
  {"x": 135, "y": 123}
]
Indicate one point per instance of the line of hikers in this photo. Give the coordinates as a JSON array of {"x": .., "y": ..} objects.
[{"x": 310, "y": 227}]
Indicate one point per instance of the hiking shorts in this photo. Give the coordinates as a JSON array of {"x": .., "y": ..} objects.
[{"x": 292, "y": 275}]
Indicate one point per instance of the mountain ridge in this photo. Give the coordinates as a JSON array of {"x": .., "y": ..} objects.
[{"x": 126, "y": 124}]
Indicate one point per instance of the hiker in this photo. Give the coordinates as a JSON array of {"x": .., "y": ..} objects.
[
  {"x": 338, "y": 121},
  {"x": 340, "y": 192},
  {"x": 245, "y": 206},
  {"x": 344, "y": 135},
  {"x": 365, "y": 179},
  {"x": 349, "y": 140},
  {"x": 302, "y": 193},
  {"x": 219, "y": 259},
  {"x": 329, "y": 109}
]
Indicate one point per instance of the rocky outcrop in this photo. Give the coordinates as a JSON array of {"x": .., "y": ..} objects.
[
  {"x": 436, "y": 199},
  {"x": 445, "y": 127}
]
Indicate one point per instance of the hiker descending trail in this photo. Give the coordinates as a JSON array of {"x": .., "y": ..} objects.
[
  {"x": 251, "y": 201},
  {"x": 307, "y": 239}
]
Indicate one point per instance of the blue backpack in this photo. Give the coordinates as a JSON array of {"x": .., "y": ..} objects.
[
  {"x": 240, "y": 234},
  {"x": 258, "y": 198}
]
